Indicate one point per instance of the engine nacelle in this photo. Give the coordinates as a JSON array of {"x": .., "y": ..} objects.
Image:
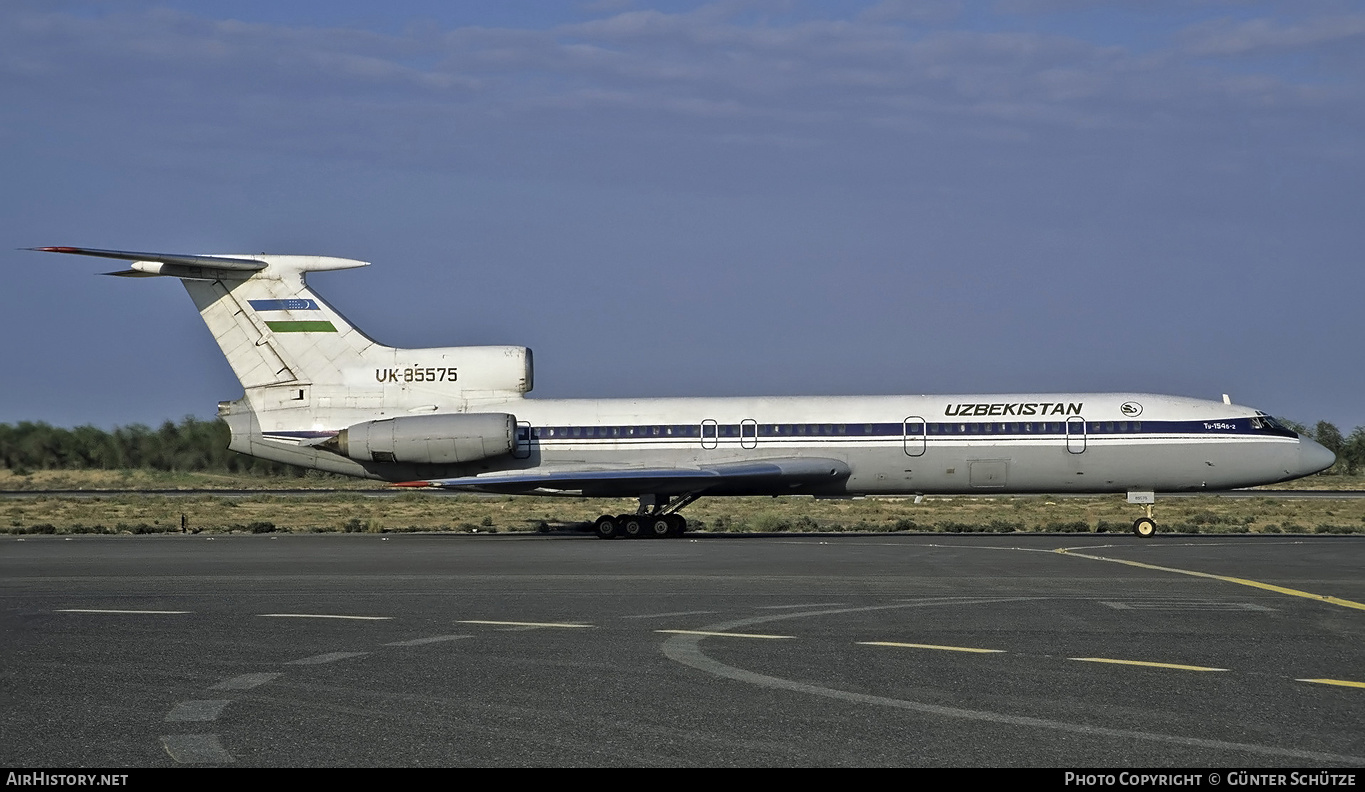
[{"x": 428, "y": 439}]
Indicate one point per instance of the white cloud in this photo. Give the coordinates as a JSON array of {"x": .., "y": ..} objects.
[
  {"x": 1233, "y": 37},
  {"x": 833, "y": 80}
]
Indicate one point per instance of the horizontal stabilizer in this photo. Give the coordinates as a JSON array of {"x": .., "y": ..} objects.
[{"x": 213, "y": 262}]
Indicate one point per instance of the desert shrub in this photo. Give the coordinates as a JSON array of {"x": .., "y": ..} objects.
[{"x": 1076, "y": 526}]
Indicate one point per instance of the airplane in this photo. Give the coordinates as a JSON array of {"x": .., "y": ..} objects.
[{"x": 319, "y": 393}]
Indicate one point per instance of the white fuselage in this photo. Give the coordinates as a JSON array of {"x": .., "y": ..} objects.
[{"x": 1011, "y": 443}]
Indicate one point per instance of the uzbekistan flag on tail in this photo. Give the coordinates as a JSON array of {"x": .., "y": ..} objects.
[{"x": 293, "y": 325}]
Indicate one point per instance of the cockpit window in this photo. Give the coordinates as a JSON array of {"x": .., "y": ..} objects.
[{"x": 1265, "y": 423}]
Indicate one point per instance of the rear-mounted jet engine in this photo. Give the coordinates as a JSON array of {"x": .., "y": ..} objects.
[{"x": 427, "y": 439}]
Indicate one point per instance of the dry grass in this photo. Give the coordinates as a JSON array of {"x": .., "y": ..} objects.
[
  {"x": 421, "y": 511},
  {"x": 43, "y": 480}
]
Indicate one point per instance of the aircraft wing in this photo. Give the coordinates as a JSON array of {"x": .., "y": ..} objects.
[{"x": 761, "y": 477}]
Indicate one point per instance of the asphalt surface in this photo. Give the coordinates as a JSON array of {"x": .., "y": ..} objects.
[{"x": 446, "y": 650}]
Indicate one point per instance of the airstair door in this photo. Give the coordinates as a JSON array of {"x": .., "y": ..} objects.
[{"x": 522, "y": 448}]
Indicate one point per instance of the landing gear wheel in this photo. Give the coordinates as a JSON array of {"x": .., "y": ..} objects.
[
  {"x": 677, "y": 524},
  {"x": 1144, "y": 527},
  {"x": 606, "y": 527},
  {"x": 659, "y": 527},
  {"x": 633, "y": 526}
]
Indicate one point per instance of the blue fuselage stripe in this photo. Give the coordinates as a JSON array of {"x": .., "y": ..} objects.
[{"x": 1003, "y": 430}]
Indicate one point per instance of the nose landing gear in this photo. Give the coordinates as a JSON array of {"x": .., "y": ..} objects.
[{"x": 1144, "y": 527}]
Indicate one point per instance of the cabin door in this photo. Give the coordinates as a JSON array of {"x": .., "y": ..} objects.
[
  {"x": 710, "y": 434},
  {"x": 914, "y": 435},
  {"x": 1075, "y": 434},
  {"x": 748, "y": 433}
]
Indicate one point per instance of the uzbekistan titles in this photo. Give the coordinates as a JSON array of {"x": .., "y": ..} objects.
[{"x": 1015, "y": 408}]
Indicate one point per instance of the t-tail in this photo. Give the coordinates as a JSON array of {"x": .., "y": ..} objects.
[{"x": 307, "y": 373}]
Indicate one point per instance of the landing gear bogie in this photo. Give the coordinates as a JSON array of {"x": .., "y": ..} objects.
[
  {"x": 655, "y": 525},
  {"x": 657, "y": 518}
]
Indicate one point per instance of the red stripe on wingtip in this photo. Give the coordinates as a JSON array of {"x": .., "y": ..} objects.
[
  {"x": 411, "y": 484},
  {"x": 57, "y": 250}
]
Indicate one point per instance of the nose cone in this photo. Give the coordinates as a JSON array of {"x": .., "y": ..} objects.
[{"x": 1313, "y": 457}]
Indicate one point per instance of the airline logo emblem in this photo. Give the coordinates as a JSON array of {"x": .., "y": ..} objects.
[{"x": 1131, "y": 409}]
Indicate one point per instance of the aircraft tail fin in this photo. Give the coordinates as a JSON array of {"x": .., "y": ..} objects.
[{"x": 273, "y": 329}]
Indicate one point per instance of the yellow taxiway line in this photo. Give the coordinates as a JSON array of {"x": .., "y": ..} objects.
[
  {"x": 1226, "y": 579},
  {"x": 1339, "y": 682},
  {"x": 724, "y": 634},
  {"x": 931, "y": 646},
  {"x": 1176, "y": 666},
  {"x": 524, "y": 624}
]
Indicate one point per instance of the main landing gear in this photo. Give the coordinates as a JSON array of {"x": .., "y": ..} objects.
[
  {"x": 657, "y": 518},
  {"x": 1144, "y": 527}
]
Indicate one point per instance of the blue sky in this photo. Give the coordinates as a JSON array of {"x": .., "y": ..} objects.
[{"x": 703, "y": 198}]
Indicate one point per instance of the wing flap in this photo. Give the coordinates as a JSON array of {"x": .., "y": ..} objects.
[{"x": 760, "y": 477}]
